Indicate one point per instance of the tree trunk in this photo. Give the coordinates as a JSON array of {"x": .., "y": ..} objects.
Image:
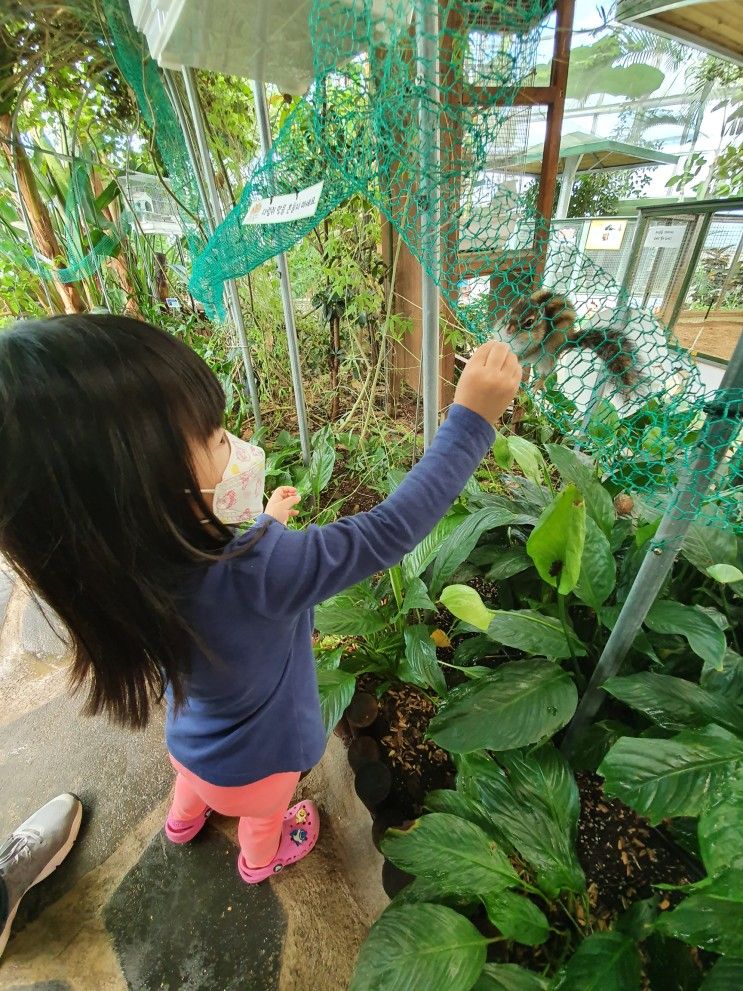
[{"x": 38, "y": 215}]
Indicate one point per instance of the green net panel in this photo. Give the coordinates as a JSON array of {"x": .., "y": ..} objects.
[
  {"x": 604, "y": 371},
  {"x": 129, "y": 50}
]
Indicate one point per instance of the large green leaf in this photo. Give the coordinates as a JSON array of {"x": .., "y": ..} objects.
[
  {"x": 711, "y": 917},
  {"x": 675, "y": 703},
  {"x": 465, "y": 603},
  {"x": 421, "y": 556},
  {"x": 520, "y": 703},
  {"x": 529, "y": 459},
  {"x": 507, "y": 563},
  {"x": 452, "y": 851},
  {"x": 524, "y": 629},
  {"x": 676, "y": 777},
  {"x": 725, "y": 574},
  {"x": 534, "y": 804},
  {"x": 726, "y": 975},
  {"x": 502, "y": 452},
  {"x": 705, "y": 546},
  {"x": 416, "y": 596},
  {"x": 516, "y": 917},
  {"x": 336, "y": 692},
  {"x": 457, "y": 547},
  {"x": 721, "y": 831},
  {"x": 509, "y": 977},
  {"x": 533, "y": 632},
  {"x": 456, "y": 804},
  {"x": 703, "y": 634},
  {"x": 598, "y": 570},
  {"x": 603, "y": 962},
  {"x": 420, "y": 946},
  {"x": 556, "y": 542},
  {"x": 352, "y": 613},
  {"x": 599, "y": 505},
  {"x": 322, "y": 462},
  {"x": 420, "y": 665},
  {"x": 728, "y": 679}
]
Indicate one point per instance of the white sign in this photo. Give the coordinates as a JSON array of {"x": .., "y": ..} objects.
[
  {"x": 605, "y": 235},
  {"x": 173, "y": 303},
  {"x": 151, "y": 203},
  {"x": 282, "y": 209},
  {"x": 665, "y": 237}
]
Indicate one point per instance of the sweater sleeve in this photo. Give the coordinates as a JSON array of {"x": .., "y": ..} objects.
[{"x": 305, "y": 567}]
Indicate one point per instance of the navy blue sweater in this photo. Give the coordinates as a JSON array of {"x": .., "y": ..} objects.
[{"x": 253, "y": 707}]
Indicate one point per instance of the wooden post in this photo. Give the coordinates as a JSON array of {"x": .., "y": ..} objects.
[{"x": 555, "y": 110}]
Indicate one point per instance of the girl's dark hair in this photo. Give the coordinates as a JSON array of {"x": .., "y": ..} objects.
[{"x": 96, "y": 417}]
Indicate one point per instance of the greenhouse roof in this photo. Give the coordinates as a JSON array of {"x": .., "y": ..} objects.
[
  {"x": 712, "y": 25},
  {"x": 595, "y": 153}
]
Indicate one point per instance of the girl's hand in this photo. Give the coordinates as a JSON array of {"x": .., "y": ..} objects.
[
  {"x": 490, "y": 381},
  {"x": 280, "y": 504}
]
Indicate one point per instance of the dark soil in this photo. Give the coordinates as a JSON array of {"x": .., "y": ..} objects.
[{"x": 622, "y": 856}]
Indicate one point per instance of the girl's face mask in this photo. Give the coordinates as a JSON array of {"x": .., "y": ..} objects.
[{"x": 238, "y": 497}]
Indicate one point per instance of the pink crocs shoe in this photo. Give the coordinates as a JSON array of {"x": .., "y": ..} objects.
[
  {"x": 181, "y": 831},
  {"x": 298, "y": 837}
]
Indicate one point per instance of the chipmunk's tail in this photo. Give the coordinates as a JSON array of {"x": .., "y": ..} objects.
[{"x": 613, "y": 347}]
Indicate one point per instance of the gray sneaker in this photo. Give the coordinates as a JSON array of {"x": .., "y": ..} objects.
[{"x": 34, "y": 851}]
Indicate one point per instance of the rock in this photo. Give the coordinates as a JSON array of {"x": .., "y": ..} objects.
[
  {"x": 42, "y": 632},
  {"x": 6, "y": 587}
]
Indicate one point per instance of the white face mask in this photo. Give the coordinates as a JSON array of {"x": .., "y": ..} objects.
[{"x": 239, "y": 496}]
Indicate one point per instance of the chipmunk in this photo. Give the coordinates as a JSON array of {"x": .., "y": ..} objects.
[{"x": 543, "y": 324}]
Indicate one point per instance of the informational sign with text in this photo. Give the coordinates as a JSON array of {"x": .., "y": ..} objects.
[{"x": 282, "y": 209}]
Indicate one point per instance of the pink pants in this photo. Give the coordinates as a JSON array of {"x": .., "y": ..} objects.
[{"x": 260, "y": 806}]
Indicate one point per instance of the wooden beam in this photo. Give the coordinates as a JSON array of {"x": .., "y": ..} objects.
[
  {"x": 499, "y": 96},
  {"x": 559, "y": 80}
]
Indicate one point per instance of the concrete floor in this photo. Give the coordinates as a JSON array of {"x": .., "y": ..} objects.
[{"x": 127, "y": 909}]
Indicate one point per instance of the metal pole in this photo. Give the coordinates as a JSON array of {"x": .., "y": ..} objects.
[
  {"x": 569, "y": 171},
  {"x": 715, "y": 438},
  {"x": 690, "y": 266},
  {"x": 426, "y": 30},
  {"x": 230, "y": 287},
  {"x": 264, "y": 132}
]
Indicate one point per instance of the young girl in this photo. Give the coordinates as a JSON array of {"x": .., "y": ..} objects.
[{"x": 114, "y": 468}]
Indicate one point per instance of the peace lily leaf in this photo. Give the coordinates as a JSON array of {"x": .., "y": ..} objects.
[
  {"x": 336, "y": 692},
  {"x": 452, "y": 851},
  {"x": 420, "y": 665},
  {"x": 720, "y": 833},
  {"x": 703, "y": 634},
  {"x": 520, "y": 703},
  {"x": 603, "y": 962},
  {"x": 533, "y": 632},
  {"x": 502, "y": 452},
  {"x": 726, "y": 574},
  {"x": 726, "y": 975},
  {"x": 465, "y": 603},
  {"x": 507, "y": 563},
  {"x": 458, "y": 545},
  {"x": 509, "y": 977},
  {"x": 349, "y": 614},
  {"x": 535, "y": 806},
  {"x": 421, "y": 556},
  {"x": 556, "y": 542},
  {"x": 676, "y": 777},
  {"x": 329, "y": 660},
  {"x": 597, "y": 741},
  {"x": 706, "y": 546},
  {"x": 425, "y": 946},
  {"x": 416, "y": 596},
  {"x": 674, "y": 703},
  {"x": 516, "y": 917},
  {"x": 529, "y": 458},
  {"x": 727, "y": 680},
  {"x": 598, "y": 570},
  {"x": 457, "y": 804},
  {"x": 711, "y": 917},
  {"x": 599, "y": 505}
]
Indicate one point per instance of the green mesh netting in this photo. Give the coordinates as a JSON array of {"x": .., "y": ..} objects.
[{"x": 604, "y": 370}]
